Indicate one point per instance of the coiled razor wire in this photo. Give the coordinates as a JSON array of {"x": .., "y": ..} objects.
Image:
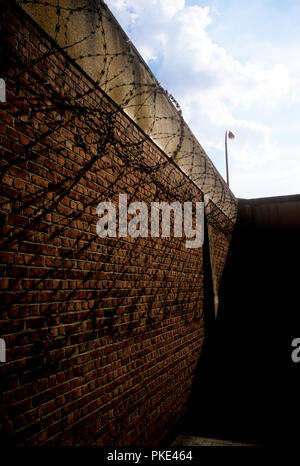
[{"x": 88, "y": 32}]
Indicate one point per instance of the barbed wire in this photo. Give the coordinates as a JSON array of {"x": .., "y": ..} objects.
[
  {"x": 90, "y": 34},
  {"x": 32, "y": 99},
  {"x": 51, "y": 110}
]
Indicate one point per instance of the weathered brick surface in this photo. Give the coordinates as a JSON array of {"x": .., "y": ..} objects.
[{"x": 103, "y": 334}]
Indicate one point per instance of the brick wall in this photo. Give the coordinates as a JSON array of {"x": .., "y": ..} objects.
[
  {"x": 220, "y": 230},
  {"x": 103, "y": 334}
]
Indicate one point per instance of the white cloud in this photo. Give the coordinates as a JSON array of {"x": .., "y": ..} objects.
[
  {"x": 171, "y": 7},
  {"x": 214, "y": 89}
]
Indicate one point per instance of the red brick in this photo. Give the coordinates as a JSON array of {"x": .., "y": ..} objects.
[{"x": 108, "y": 331}]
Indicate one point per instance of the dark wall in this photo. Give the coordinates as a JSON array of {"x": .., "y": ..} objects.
[
  {"x": 271, "y": 213},
  {"x": 247, "y": 379}
]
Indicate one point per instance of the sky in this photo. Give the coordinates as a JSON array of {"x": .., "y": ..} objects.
[{"x": 230, "y": 64}]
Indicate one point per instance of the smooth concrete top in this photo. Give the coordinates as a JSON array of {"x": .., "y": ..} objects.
[{"x": 89, "y": 33}]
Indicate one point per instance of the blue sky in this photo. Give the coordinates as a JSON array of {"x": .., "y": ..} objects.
[{"x": 231, "y": 64}]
